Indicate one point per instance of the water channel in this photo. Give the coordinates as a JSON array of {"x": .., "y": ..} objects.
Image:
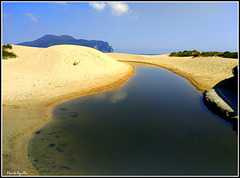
[{"x": 154, "y": 124}]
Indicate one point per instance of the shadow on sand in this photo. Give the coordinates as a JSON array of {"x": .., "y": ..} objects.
[{"x": 227, "y": 90}]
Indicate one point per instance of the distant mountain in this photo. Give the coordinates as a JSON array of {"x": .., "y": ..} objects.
[{"x": 51, "y": 40}]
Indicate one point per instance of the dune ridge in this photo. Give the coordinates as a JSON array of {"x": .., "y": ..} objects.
[
  {"x": 56, "y": 67},
  {"x": 39, "y": 79}
]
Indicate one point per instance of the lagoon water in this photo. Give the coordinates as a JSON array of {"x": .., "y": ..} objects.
[{"x": 154, "y": 124}]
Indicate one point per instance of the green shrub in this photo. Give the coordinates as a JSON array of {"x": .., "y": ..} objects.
[
  {"x": 220, "y": 54},
  {"x": 209, "y": 54},
  {"x": 228, "y": 54},
  {"x": 180, "y": 54},
  {"x": 187, "y": 53},
  {"x": 7, "y": 54},
  {"x": 5, "y": 46},
  {"x": 195, "y": 53},
  {"x": 173, "y": 54}
]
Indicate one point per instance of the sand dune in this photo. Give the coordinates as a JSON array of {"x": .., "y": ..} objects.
[
  {"x": 39, "y": 79},
  {"x": 39, "y": 74},
  {"x": 24, "y": 51}
]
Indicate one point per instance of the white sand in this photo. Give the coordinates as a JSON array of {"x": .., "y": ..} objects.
[
  {"x": 48, "y": 72},
  {"x": 202, "y": 72},
  {"x": 39, "y": 79}
]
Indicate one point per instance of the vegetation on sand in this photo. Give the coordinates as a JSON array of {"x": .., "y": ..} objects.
[
  {"x": 195, "y": 53},
  {"x": 7, "y": 54}
]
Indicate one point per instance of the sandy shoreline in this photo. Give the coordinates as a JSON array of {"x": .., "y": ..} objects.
[
  {"x": 33, "y": 115},
  {"x": 30, "y": 92},
  {"x": 202, "y": 72},
  {"x": 28, "y": 98}
]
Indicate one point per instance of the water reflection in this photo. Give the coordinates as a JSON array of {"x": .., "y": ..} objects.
[
  {"x": 111, "y": 97},
  {"x": 155, "y": 124},
  {"x": 117, "y": 96}
]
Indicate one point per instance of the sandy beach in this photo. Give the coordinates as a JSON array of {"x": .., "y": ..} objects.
[
  {"x": 202, "y": 72},
  {"x": 40, "y": 78}
]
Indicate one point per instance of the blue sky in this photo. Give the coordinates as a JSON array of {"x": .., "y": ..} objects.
[{"x": 129, "y": 27}]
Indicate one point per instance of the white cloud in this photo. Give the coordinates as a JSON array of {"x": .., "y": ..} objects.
[
  {"x": 61, "y": 2},
  {"x": 97, "y": 5},
  {"x": 118, "y": 8},
  {"x": 31, "y": 16}
]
